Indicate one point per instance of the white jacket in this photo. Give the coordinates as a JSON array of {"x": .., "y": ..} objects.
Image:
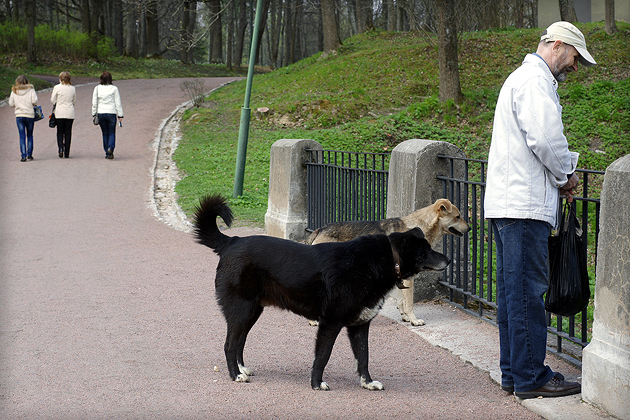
[
  {"x": 23, "y": 99},
  {"x": 64, "y": 97},
  {"x": 529, "y": 155},
  {"x": 108, "y": 100}
]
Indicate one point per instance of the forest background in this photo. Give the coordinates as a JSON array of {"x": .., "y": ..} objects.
[{"x": 354, "y": 75}]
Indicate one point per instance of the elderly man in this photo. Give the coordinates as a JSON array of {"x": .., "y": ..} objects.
[{"x": 529, "y": 166}]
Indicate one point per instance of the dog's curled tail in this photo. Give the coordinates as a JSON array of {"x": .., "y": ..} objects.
[{"x": 205, "y": 221}]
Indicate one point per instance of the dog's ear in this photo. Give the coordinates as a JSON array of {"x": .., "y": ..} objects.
[{"x": 444, "y": 205}]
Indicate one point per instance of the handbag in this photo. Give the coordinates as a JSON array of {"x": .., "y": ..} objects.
[
  {"x": 39, "y": 114},
  {"x": 95, "y": 117},
  {"x": 52, "y": 121},
  {"x": 569, "y": 289}
]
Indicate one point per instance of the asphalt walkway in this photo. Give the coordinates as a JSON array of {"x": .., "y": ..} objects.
[{"x": 107, "y": 312}]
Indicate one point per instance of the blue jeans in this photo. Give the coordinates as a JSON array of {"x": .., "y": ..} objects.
[
  {"x": 25, "y": 129},
  {"x": 107, "y": 122},
  {"x": 522, "y": 280}
]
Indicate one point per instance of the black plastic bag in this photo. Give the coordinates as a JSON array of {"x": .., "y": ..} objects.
[{"x": 569, "y": 290}]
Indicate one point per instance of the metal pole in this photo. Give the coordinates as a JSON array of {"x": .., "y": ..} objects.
[{"x": 243, "y": 133}]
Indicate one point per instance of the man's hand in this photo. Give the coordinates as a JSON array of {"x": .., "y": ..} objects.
[{"x": 567, "y": 189}]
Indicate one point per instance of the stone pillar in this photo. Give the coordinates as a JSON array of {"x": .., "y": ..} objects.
[
  {"x": 412, "y": 184},
  {"x": 286, "y": 215},
  {"x": 606, "y": 360}
]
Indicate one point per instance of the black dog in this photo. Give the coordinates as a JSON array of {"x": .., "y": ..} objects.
[{"x": 340, "y": 284}]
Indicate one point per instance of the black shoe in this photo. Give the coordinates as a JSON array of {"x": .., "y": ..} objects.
[
  {"x": 23, "y": 160},
  {"x": 30, "y": 157},
  {"x": 508, "y": 389},
  {"x": 556, "y": 387},
  {"x": 110, "y": 154},
  {"x": 61, "y": 153}
]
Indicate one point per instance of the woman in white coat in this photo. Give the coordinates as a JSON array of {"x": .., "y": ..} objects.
[
  {"x": 64, "y": 95},
  {"x": 23, "y": 98},
  {"x": 106, "y": 104}
]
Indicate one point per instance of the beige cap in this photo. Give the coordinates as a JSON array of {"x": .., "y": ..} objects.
[{"x": 569, "y": 34}]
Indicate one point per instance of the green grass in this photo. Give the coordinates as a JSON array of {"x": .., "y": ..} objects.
[{"x": 381, "y": 89}]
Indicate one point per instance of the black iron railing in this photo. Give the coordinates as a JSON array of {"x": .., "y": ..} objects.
[
  {"x": 345, "y": 186},
  {"x": 470, "y": 277}
]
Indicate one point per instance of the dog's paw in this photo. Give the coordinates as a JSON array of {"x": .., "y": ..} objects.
[
  {"x": 313, "y": 323},
  {"x": 417, "y": 322},
  {"x": 372, "y": 386},
  {"x": 242, "y": 378},
  {"x": 404, "y": 317},
  {"x": 245, "y": 370},
  {"x": 323, "y": 386}
]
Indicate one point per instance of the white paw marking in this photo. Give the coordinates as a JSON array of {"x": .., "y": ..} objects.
[
  {"x": 417, "y": 322},
  {"x": 242, "y": 378},
  {"x": 323, "y": 386},
  {"x": 372, "y": 386},
  {"x": 245, "y": 370},
  {"x": 404, "y": 317}
]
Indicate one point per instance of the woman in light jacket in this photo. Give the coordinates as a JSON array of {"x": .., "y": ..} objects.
[
  {"x": 23, "y": 98},
  {"x": 63, "y": 97},
  {"x": 107, "y": 105}
]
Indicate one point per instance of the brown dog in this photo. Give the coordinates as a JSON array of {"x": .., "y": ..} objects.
[{"x": 438, "y": 219}]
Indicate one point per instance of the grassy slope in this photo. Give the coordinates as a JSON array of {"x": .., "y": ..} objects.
[{"x": 379, "y": 90}]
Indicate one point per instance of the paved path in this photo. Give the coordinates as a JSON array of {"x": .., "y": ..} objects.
[{"x": 108, "y": 313}]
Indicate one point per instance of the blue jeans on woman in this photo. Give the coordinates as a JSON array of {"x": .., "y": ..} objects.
[
  {"x": 522, "y": 280},
  {"x": 107, "y": 122},
  {"x": 25, "y": 129}
]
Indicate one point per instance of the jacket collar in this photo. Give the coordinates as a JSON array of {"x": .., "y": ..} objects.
[{"x": 537, "y": 60}]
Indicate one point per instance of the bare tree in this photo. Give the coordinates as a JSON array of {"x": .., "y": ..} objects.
[
  {"x": 450, "y": 87},
  {"x": 152, "y": 29},
  {"x": 330, "y": 27},
  {"x": 31, "y": 22},
  {"x": 567, "y": 11},
  {"x": 611, "y": 26},
  {"x": 216, "y": 34}
]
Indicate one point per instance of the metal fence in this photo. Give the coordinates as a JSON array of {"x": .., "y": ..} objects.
[
  {"x": 470, "y": 277},
  {"x": 343, "y": 186}
]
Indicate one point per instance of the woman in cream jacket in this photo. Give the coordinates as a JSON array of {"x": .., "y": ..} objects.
[
  {"x": 23, "y": 98},
  {"x": 107, "y": 105},
  {"x": 63, "y": 97}
]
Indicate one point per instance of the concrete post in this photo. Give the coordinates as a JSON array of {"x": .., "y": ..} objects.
[
  {"x": 412, "y": 185},
  {"x": 286, "y": 215},
  {"x": 606, "y": 360}
]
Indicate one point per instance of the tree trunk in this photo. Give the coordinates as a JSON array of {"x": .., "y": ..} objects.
[
  {"x": 131, "y": 34},
  {"x": 186, "y": 36},
  {"x": 191, "y": 30},
  {"x": 231, "y": 13},
  {"x": 153, "y": 33},
  {"x": 261, "y": 29},
  {"x": 364, "y": 15},
  {"x": 118, "y": 29},
  {"x": 330, "y": 28},
  {"x": 85, "y": 16},
  {"x": 31, "y": 21},
  {"x": 240, "y": 37},
  {"x": 216, "y": 34},
  {"x": 391, "y": 15},
  {"x": 447, "y": 51},
  {"x": 274, "y": 34},
  {"x": 610, "y": 25},
  {"x": 567, "y": 11}
]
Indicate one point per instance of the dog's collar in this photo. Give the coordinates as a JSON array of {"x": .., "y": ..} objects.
[
  {"x": 399, "y": 283},
  {"x": 396, "y": 263}
]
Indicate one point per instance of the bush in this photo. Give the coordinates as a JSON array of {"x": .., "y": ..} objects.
[{"x": 50, "y": 42}]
